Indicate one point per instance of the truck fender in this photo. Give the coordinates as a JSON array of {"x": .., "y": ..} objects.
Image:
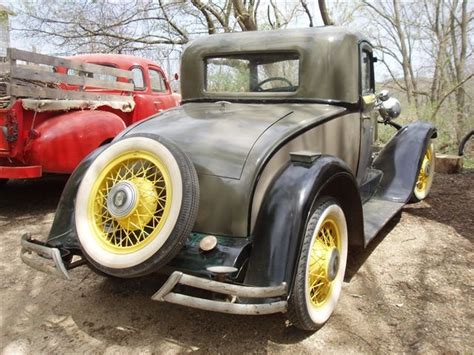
[
  {"x": 288, "y": 203},
  {"x": 64, "y": 140},
  {"x": 400, "y": 161}
]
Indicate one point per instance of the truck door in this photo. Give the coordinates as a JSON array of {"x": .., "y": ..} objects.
[
  {"x": 368, "y": 112},
  {"x": 159, "y": 90}
]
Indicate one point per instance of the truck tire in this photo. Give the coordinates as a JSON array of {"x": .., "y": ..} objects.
[
  {"x": 321, "y": 266},
  {"x": 136, "y": 206},
  {"x": 3, "y": 182}
]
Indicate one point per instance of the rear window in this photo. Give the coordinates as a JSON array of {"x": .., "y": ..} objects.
[{"x": 254, "y": 73}]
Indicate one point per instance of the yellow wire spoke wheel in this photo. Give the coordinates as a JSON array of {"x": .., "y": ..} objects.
[
  {"x": 324, "y": 262},
  {"x": 136, "y": 206},
  {"x": 130, "y": 201},
  {"x": 321, "y": 268},
  {"x": 426, "y": 174}
]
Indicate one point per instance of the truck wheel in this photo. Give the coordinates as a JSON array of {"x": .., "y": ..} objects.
[
  {"x": 425, "y": 175},
  {"x": 136, "y": 206},
  {"x": 3, "y": 182},
  {"x": 321, "y": 267}
]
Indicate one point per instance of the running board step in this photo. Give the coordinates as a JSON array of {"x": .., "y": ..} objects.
[{"x": 376, "y": 215}]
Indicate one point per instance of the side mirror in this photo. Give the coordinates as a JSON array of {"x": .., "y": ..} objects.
[{"x": 389, "y": 107}]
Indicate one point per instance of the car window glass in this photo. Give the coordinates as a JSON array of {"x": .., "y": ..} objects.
[
  {"x": 366, "y": 72},
  {"x": 138, "y": 78},
  {"x": 157, "y": 81},
  {"x": 276, "y": 72}
]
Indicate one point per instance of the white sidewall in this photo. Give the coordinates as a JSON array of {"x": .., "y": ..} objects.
[
  {"x": 84, "y": 228},
  {"x": 321, "y": 314}
]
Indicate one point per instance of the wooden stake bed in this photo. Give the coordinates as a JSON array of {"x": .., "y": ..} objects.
[{"x": 39, "y": 79}]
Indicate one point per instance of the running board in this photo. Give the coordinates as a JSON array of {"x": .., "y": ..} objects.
[{"x": 377, "y": 213}]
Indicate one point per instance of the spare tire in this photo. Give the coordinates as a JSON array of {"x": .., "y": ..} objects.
[{"x": 136, "y": 206}]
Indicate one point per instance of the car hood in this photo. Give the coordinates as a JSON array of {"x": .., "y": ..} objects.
[{"x": 219, "y": 137}]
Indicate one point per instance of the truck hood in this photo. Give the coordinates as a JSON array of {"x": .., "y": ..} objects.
[{"x": 219, "y": 137}]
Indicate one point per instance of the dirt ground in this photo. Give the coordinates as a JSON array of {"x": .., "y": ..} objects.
[{"x": 411, "y": 291}]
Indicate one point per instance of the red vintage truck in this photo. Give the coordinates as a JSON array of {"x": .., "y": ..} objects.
[{"x": 54, "y": 111}]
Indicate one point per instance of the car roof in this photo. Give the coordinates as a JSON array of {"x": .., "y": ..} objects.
[{"x": 329, "y": 65}]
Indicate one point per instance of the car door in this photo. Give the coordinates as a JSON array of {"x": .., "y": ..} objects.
[{"x": 368, "y": 117}]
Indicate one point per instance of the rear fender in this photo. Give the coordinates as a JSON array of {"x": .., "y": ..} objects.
[
  {"x": 400, "y": 161},
  {"x": 64, "y": 140},
  {"x": 285, "y": 210}
]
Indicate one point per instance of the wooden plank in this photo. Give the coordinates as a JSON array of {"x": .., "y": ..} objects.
[
  {"x": 17, "y": 54},
  {"x": 5, "y": 67},
  {"x": 27, "y": 73},
  {"x": 38, "y": 92},
  {"x": 42, "y": 68}
]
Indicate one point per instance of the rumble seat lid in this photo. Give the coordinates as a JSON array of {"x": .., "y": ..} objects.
[{"x": 219, "y": 136}]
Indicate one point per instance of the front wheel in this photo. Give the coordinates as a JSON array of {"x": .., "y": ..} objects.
[
  {"x": 321, "y": 267},
  {"x": 425, "y": 175}
]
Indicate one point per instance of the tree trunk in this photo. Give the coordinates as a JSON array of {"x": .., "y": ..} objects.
[{"x": 325, "y": 13}]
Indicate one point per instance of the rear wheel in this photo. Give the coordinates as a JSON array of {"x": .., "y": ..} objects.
[
  {"x": 321, "y": 267},
  {"x": 136, "y": 206},
  {"x": 425, "y": 175}
]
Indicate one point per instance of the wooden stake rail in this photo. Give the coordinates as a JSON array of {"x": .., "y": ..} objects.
[{"x": 37, "y": 79}]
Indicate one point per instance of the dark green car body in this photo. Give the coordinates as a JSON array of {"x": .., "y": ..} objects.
[{"x": 263, "y": 156}]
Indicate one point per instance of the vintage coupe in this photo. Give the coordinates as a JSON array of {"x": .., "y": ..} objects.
[{"x": 256, "y": 188}]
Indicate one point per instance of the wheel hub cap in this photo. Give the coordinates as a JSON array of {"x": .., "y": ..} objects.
[
  {"x": 427, "y": 168},
  {"x": 327, "y": 263},
  {"x": 333, "y": 264},
  {"x": 122, "y": 199}
]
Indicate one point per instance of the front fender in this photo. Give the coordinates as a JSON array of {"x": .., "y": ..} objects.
[
  {"x": 63, "y": 141},
  {"x": 400, "y": 161},
  {"x": 285, "y": 210}
]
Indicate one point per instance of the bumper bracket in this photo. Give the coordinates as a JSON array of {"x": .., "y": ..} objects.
[{"x": 39, "y": 256}]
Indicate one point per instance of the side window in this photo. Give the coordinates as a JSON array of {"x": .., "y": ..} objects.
[
  {"x": 366, "y": 73},
  {"x": 138, "y": 78},
  {"x": 157, "y": 81}
]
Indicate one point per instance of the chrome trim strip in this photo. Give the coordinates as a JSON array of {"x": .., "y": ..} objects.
[
  {"x": 164, "y": 294},
  {"x": 44, "y": 253}
]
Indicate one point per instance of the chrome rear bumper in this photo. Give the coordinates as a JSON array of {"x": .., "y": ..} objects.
[
  {"x": 234, "y": 291},
  {"x": 42, "y": 257}
]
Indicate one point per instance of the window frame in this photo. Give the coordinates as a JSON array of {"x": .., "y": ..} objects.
[
  {"x": 138, "y": 88},
  {"x": 365, "y": 47},
  {"x": 163, "y": 79}
]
